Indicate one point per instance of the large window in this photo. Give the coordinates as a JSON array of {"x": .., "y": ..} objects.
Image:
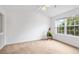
[
  {"x": 69, "y": 25},
  {"x": 77, "y": 26},
  {"x": 60, "y": 26}
]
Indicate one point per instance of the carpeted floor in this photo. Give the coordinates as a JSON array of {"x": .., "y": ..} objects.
[{"x": 39, "y": 47}]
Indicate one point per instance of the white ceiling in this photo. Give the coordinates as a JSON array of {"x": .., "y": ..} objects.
[
  {"x": 59, "y": 9},
  {"x": 50, "y": 12}
]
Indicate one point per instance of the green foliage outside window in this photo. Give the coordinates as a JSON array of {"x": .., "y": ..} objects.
[
  {"x": 72, "y": 26},
  {"x": 70, "y": 30},
  {"x": 77, "y": 30},
  {"x": 77, "y": 20},
  {"x": 60, "y": 29},
  {"x": 70, "y": 21}
]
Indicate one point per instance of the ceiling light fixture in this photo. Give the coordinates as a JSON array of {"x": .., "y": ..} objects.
[{"x": 45, "y": 7}]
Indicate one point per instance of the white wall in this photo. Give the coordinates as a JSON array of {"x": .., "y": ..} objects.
[
  {"x": 2, "y": 34},
  {"x": 24, "y": 24},
  {"x": 66, "y": 38}
]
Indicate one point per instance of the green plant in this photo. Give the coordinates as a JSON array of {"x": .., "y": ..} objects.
[{"x": 49, "y": 34}]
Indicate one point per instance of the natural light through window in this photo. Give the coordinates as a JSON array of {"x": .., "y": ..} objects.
[{"x": 69, "y": 26}]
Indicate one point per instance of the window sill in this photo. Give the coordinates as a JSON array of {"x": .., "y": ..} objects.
[{"x": 68, "y": 35}]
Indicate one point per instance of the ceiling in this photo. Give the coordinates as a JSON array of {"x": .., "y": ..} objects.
[
  {"x": 51, "y": 11},
  {"x": 55, "y": 10}
]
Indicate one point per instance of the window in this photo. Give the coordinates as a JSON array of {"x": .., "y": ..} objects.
[
  {"x": 77, "y": 26},
  {"x": 69, "y": 26},
  {"x": 60, "y": 26}
]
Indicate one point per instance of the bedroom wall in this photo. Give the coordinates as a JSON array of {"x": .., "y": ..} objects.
[
  {"x": 23, "y": 23},
  {"x": 2, "y": 27},
  {"x": 65, "y": 38}
]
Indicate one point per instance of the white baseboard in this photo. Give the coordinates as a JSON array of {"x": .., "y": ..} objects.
[
  {"x": 21, "y": 41},
  {"x": 2, "y": 47}
]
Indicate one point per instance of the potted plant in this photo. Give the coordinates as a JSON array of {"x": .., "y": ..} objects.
[{"x": 49, "y": 34}]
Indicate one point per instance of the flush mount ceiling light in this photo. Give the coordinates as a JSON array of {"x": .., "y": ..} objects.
[{"x": 46, "y": 7}]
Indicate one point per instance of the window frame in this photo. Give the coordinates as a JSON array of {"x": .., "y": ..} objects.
[{"x": 65, "y": 28}]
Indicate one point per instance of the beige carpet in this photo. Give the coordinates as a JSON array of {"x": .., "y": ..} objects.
[{"x": 40, "y": 46}]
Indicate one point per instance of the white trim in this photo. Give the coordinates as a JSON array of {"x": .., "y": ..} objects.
[
  {"x": 73, "y": 36},
  {"x": 2, "y": 47},
  {"x": 4, "y": 30},
  {"x": 3, "y": 33}
]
